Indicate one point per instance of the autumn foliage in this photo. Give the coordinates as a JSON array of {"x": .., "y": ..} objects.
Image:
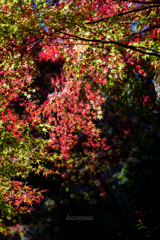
[{"x": 76, "y": 90}]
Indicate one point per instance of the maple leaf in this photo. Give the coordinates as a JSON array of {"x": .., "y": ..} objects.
[
  {"x": 9, "y": 127},
  {"x": 99, "y": 117}
]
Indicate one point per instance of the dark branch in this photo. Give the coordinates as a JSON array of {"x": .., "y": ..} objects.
[
  {"x": 139, "y": 2},
  {"x": 125, "y": 13},
  {"x": 112, "y": 42}
]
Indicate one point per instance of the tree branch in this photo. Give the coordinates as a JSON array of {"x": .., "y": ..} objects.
[
  {"x": 112, "y": 42},
  {"x": 122, "y": 14},
  {"x": 139, "y": 2}
]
